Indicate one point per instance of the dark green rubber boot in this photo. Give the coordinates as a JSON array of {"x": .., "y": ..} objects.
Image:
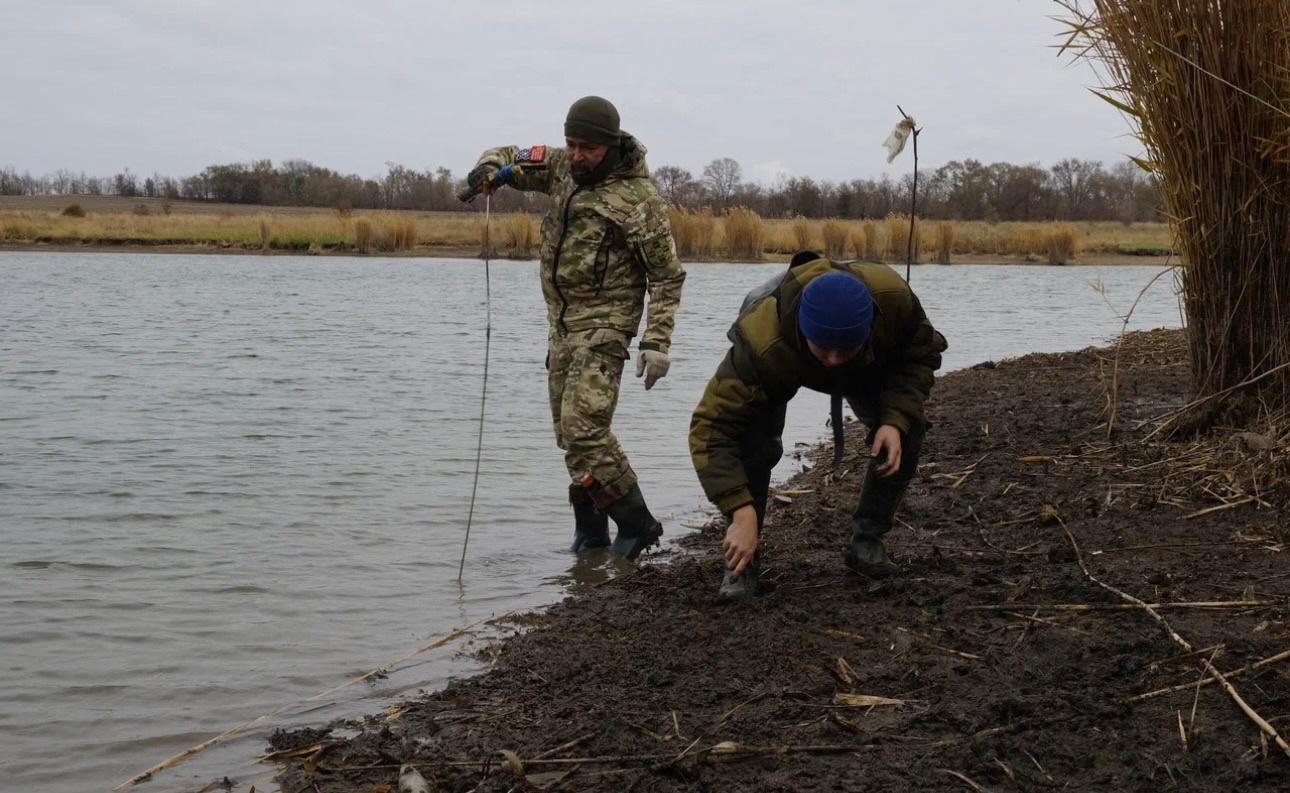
[
  {"x": 874, "y": 515},
  {"x": 591, "y": 526},
  {"x": 637, "y": 529}
]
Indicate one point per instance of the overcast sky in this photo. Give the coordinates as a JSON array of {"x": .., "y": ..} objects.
[{"x": 794, "y": 88}]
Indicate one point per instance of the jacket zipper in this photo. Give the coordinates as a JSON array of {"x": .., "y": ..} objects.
[{"x": 555, "y": 261}]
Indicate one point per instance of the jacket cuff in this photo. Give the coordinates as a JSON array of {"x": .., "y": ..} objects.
[
  {"x": 895, "y": 418},
  {"x": 734, "y": 500},
  {"x": 654, "y": 345}
]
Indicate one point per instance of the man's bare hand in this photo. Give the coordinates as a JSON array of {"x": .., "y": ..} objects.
[
  {"x": 886, "y": 446},
  {"x": 740, "y": 544}
]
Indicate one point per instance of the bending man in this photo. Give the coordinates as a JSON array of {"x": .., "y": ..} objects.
[{"x": 854, "y": 330}]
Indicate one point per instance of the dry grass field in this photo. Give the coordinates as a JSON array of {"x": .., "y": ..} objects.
[{"x": 111, "y": 221}]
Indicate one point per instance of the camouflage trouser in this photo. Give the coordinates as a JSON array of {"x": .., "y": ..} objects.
[{"x": 584, "y": 372}]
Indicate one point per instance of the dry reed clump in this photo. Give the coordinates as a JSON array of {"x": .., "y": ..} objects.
[
  {"x": 871, "y": 250},
  {"x": 18, "y": 228},
  {"x": 1210, "y": 104},
  {"x": 859, "y": 241},
  {"x": 745, "y": 235},
  {"x": 836, "y": 239},
  {"x": 363, "y": 235},
  {"x": 521, "y": 233},
  {"x": 400, "y": 234},
  {"x": 1031, "y": 241},
  {"x": 898, "y": 240},
  {"x": 803, "y": 237},
  {"x": 695, "y": 233},
  {"x": 944, "y": 241},
  {"x": 1061, "y": 242}
]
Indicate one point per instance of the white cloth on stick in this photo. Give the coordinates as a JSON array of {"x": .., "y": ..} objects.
[{"x": 895, "y": 142}]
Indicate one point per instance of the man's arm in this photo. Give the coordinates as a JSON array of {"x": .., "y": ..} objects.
[
  {"x": 535, "y": 166},
  {"x": 731, "y": 402},
  {"x": 909, "y": 381},
  {"x": 648, "y": 232}
]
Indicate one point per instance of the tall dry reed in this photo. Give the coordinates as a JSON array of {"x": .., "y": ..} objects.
[
  {"x": 859, "y": 242},
  {"x": 836, "y": 239},
  {"x": 944, "y": 241},
  {"x": 695, "y": 233},
  {"x": 871, "y": 250},
  {"x": 803, "y": 236},
  {"x": 1061, "y": 241},
  {"x": 745, "y": 235},
  {"x": 364, "y": 233},
  {"x": 521, "y": 233},
  {"x": 1208, "y": 85},
  {"x": 898, "y": 238}
]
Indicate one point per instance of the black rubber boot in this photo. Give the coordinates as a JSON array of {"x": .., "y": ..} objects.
[
  {"x": 740, "y": 586},
  {"x": 591, "y": 526},
  {"x": 637, "y": 529},
  {"x": 879, "y": 499}
]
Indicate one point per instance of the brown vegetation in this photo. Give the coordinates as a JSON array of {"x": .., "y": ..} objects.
[
  {"x": 745, "y": 235},
  {"x": 837, "y": 239},
  {"x": 1062, "y": 243},
  {"x": 1206, "y": 84},
  {"x": 740, "y": 235},
  {"x": 944, "y": 241}
]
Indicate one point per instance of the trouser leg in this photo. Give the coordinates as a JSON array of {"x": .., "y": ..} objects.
[
  {"x": 760, "y": 450},
  {"x": 588, "y": 397}
]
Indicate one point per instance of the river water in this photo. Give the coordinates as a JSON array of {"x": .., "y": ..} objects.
[{"x": 229, "y": 483}]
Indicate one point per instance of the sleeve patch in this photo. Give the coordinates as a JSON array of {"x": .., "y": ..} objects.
[{"x": 533, "y": 154}]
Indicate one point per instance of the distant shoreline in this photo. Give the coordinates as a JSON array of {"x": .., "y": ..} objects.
[
  {"x": 124, "y": 225},
  {"x": 1089, "y": 259}
]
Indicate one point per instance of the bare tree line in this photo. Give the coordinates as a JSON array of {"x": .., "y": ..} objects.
[{"x": 959, "y": 190}]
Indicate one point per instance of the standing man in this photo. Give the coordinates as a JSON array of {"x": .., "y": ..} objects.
[
  {"x": 854, "y": 330},
  {"x": 605, "y": 242}
]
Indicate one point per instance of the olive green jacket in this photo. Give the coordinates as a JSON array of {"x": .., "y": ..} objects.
[
  {"x": 768, "y": 361},
  {"x": 602, "y": 245}
]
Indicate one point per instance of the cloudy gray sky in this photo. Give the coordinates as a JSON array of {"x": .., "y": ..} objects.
[{"x": 794, "y": 88}]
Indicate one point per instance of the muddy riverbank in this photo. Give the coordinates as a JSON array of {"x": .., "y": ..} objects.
[{"x": 991, "y": 661}]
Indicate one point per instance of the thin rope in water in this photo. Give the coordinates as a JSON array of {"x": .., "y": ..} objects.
[{"x": 483, "y": 393}]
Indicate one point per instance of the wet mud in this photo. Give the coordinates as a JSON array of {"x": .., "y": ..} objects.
[{"x": 989, "y": 660}]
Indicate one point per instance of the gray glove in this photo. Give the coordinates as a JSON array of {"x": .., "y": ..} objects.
[{"x": 653, "y": 365}]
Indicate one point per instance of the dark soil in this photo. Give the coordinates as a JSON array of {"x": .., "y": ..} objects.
[{"x": 658, "y": 688}]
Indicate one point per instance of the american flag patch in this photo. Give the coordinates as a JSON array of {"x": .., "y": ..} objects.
[{"x": 532, "y": 154}]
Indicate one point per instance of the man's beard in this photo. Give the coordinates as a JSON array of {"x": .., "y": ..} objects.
[{"x": 585, "y": 175}]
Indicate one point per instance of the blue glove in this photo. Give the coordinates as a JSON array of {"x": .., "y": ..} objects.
[{"x": 486, "y": 174}]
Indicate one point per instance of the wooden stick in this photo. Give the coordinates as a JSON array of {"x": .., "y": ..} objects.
[
  {"x": 1219, "y": 508},
  {"x": 1160, "y": 692},
  {"x": 1082, "y": 607},
  {"x": 1267, "y": 729}
]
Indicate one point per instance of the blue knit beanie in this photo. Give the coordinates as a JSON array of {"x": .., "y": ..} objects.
[{"x": 836, "y": 311}]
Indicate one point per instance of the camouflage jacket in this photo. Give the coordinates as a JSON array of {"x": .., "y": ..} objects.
[
  {"x": 768, "y": 361},
  {"x": 602, "y": 245}
]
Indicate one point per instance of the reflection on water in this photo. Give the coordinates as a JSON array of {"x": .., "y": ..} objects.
[
  {"x": 590, "y": 569},
  {"x": 229, "y": 483}
]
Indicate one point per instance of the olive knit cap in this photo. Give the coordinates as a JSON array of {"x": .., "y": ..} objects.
[{"x": 594, "y": 120}]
